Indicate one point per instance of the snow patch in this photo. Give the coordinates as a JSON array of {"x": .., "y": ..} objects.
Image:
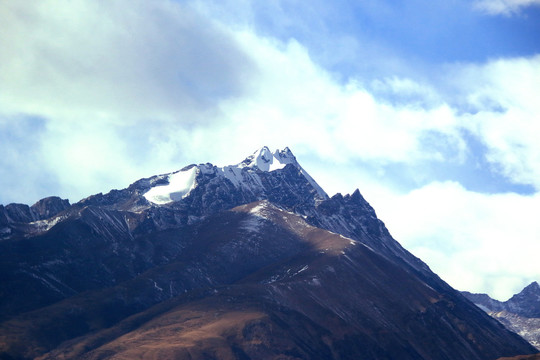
[
  {"x": 180, "y": 185},
  {"x": 257, "y": 209},
  {"x": 233, "y": 173}
]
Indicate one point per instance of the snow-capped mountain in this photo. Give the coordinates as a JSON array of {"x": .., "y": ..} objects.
[
  {"x": 245, "y": 177},
  {"x": 520, "y": 313},
  {"x": 252, "y": 260}
]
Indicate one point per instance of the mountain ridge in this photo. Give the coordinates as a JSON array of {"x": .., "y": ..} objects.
[{"x": 520, "y": 313}]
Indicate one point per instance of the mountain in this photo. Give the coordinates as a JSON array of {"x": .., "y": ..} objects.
[
  {"x": 248, "y": 261},
  {"x": 520, "y": 313}
]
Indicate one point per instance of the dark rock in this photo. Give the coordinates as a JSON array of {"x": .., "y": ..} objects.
[{"x": 20, "y": 213}]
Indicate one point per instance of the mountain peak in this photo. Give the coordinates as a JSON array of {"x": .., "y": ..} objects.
[
  {"x": 266, "y": 160},
  {"x": 247, "y": 176},
  {"x": 531, "y": 290}
]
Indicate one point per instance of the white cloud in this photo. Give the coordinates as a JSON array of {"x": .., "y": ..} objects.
[
  {"x": 476, "y": 242},
  {"x": 504, "y": 92},
  {"x": 303, "y": 106},
  {"x": 504, "y": 7}
]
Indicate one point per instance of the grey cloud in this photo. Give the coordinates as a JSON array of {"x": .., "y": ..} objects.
[
  {"x": 116, "y": 58},
  {"x": 94, "y": 94}
]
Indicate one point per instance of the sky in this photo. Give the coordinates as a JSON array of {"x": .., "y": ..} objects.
[{"x": 431, "y": 108}]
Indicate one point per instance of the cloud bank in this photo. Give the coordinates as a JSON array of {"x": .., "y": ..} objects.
[{"x": 474, "y": 241}]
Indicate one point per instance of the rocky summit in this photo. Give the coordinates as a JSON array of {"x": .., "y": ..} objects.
[{"x": 247, "y": 261}]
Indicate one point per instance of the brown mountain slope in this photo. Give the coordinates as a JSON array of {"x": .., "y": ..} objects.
[{"x": 522, "y": 357}]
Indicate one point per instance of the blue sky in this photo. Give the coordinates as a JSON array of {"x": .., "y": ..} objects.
[
  {"x": 430, "y": 108},
  {"x": 428, "y": 31}
]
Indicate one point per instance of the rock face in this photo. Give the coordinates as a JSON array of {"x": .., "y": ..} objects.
[
  {"x": 48, "y": 207},
  {"x": 21, "y": 219},
  {"x": 521, "y": 313},
  {"x": 527, "y": 302},
  {"x": 249, "y": 261}
]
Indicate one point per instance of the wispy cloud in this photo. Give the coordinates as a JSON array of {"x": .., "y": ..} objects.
[
  {"x": 504, "y": 7},
  {"x": 503, "y": 92}
]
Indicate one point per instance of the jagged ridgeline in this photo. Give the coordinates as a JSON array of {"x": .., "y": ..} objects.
[
  {"x": 248, "y": 261},
  {"x": 520, "y": 313}
]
